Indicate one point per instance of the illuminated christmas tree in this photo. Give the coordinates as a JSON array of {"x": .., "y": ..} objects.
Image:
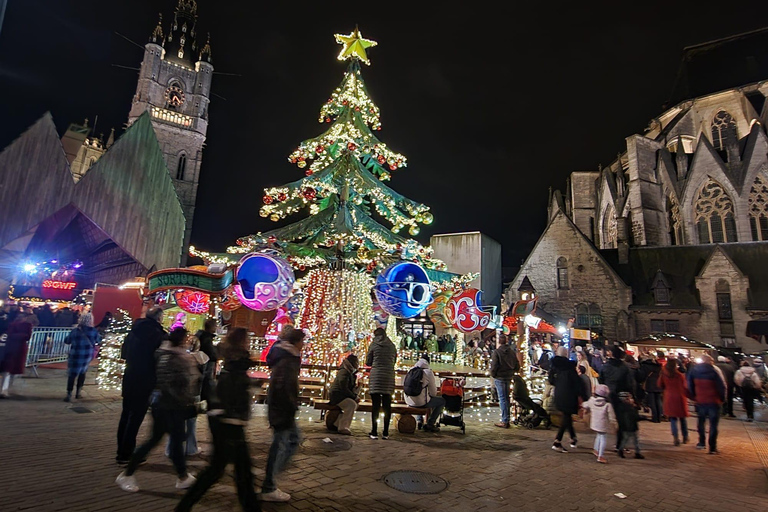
[{"x": 111, "y": 365}]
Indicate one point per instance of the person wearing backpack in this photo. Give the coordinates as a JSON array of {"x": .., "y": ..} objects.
[
  {"x": 747, "y": 379},
  {"x": 504, "y": 366},
  {"x": 420, "y": 390}
]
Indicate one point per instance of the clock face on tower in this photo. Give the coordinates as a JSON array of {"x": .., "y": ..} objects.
[{"x": 174, "y": 96}]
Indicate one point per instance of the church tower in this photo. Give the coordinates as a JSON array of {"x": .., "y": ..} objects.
[{"x": 174, "y": 87}]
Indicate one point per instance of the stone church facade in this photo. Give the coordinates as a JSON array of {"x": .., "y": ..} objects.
[{"x": 672, "y": 236}]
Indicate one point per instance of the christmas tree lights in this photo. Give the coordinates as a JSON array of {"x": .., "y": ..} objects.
[{"x": 111, "y": 365}]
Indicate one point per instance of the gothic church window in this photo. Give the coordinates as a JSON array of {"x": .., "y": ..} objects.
[
  {"x": 562, "y": 273},
  {"x": 181, "y": 167},
  {"x": 675, "y": 222},
  {"x": 722, "y": 123},
  {"x": 714, "y": 215},
  {"x": 758, "y": 209},
  {"x": 609, "y": 229}
]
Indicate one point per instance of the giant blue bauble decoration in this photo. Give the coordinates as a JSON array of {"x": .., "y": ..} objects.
[
  {"x": 264, "y": 281},
  {"x": 403, "y": 290}
]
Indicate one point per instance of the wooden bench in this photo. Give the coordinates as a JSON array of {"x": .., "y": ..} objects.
[{"x": 404, "y": 420}]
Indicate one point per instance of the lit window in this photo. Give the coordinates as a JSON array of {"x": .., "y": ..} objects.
[
  {"x": 722, "y": 124},
  {"x": 562, "y": 273},
  {"x": 715, "y": 221}
]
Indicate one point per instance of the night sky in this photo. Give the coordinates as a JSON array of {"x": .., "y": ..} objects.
[{"x": 491, "y": 105}]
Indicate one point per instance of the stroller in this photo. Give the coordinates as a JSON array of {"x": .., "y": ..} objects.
[
  {"x": 452, "y": 390},
  {"x": 532, "y": 413}
]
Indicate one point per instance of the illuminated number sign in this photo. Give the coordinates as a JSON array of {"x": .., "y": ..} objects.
[{"x": 59, "y": 285}]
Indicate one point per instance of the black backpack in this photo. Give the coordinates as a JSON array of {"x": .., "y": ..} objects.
[{"x": 412, "y": 383}]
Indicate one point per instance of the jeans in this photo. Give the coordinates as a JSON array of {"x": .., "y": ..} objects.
[
  {"x": 683, "y": 427},
  {"x": 229, "y": 445},
  {"x": 348, "y": 408},
  {"x": 709, "y": 412},
  {"x": 284, "y": 444},
  {"x": 600, "y": 441},
  {"x": 190, "y": 441},
  {"x": 135, "y": 407},
  {"x": 567, "y": 423},
  {"x": 437, "y": 404},
  {"x": 165, "y": 421},
  {"x": 71, "y": 382},
  {"x": 381, "y": 400},
  {"x": 626, "y": 437},
  {"x": 654, "y": 402},
  {"x": 502, "y": 388}
]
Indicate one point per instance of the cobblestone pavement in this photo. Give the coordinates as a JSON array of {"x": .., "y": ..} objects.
[{"x": 54, "y": 458}]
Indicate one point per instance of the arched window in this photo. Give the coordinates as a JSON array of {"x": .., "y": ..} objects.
[
  {"x": 722, "y": 123},
  {"x": 758, "y": 209},
  {"x": 609, "y": 229},
  {"x": 582, "y": 315},
  {"x": 181, "y": 167},
  {"x": 562, "y": 273},
  {"x": 91, "y": 162},
  {"x": 595, "y": 316},
  {"x": 675, "y": 222},
  {"x": 715, "y": 222}
]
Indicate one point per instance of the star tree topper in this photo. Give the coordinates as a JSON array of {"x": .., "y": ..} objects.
[{"x": 354, "y": 46}]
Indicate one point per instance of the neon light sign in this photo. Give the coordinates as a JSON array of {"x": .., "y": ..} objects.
[{"x": 59, "y": 285}]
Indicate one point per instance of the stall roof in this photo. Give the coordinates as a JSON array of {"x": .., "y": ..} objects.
[{"x": 670, "y": 341}]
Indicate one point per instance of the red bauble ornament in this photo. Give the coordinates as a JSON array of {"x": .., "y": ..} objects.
[
  {"x": 357, "y": 108},
  {"x": 309, "y": 172},
  {"x": 272, "y": 239},
  {"x": 345, "y": 102},
  {"x": 310, "y": 193},
  {"x": 301, "y": 159},
  {"x": 392, "y": 167},
  {"x": 302, "y": 267},
  {"x": 327, "y": 119},
  {"x": 267, "y": 199},
  {"x": 351, "y": 146},
  {"x": 293, "y": 160},
  {"x": 381, "y": 159},
  {"x": 282, "y": 196},
  {"x": 319, "y": 149}
]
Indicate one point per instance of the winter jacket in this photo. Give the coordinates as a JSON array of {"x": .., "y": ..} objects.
[
  {"x": 284, "y": 361},
  {"x": 178, "y": 379},
  {"x": 382, "y": 356},
  {"x": 586, "y": 383},
  {"x": 568, "y": 386},
  {"x": 705, "y": 385},
  {"x": 617, "y": 376},
  {"x": 65, "y": 318},
  {"x": 627, "y": 416},
  {"x": 504, "y": 363},
  {"x": 345, "y": 383},
  {"x": 138, "y": 351},
  {"x": 231, "y": 398},
  {"x": 206, "y": 344},
  {"x": 81, "y": 341},
  {"x": 519, "y": 388},
  {"x": 15, "y": 358},
  {"x": 429, "y": 384},
  {"x": 728, "y": 371},
  {"x": 747, "y": 373},
  {"x": 675, "y": 395},
  {"x": 601, "y": 414},
  {"x": 651, "y": 370}
]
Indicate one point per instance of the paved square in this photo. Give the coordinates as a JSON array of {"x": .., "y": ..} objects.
[{"x": 55, "y": 459}]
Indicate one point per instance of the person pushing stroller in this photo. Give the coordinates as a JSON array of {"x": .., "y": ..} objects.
[{"x": 523, "y": 398}]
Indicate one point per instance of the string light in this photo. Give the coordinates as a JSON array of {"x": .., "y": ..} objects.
[{"x": 111, "y": 366}]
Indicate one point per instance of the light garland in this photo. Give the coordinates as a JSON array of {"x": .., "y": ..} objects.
[{"x": 111, "y": 366}]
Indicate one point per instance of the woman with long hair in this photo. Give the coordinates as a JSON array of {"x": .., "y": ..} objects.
[{"x": 672, "y": 383}]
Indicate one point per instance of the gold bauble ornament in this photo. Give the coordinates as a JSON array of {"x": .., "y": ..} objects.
[
  {"x": 363, "y": 253},
  {"x": 263, "y": 212},
  {"x": 302, "y": 164},
  {"x": 274, "y": 217},
  {"x": 414, "y": 230},
  {"x": 427, "y": 218}
]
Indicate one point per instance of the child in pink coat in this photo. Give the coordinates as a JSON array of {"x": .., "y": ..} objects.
[{"x": 602, "y": 417}]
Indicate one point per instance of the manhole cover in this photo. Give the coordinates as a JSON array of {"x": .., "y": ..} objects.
[
  {"x": 416, "y": 482},
  {"x": 318, "y": 445},
  {"x": 80, "y": 410}
]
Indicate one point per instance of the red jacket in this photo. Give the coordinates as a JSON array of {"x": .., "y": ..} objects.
[
  {"x": 705, "y": 385},
  {"x": 675, "y": 394}
]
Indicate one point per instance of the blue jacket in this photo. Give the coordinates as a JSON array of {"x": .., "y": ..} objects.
[
  {"x": 705, "y": 385},
  {"x": 82, "y": 340}
]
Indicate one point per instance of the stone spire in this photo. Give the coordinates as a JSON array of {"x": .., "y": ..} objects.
[
  {"x": 205, "y": 52},
  {"x": 180, "y": 42}
]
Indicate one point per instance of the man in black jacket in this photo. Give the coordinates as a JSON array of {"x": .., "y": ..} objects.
[
  {"x": 504, "y": 366},
  {"x": 139, "y": 378},
  {"x": 284, "y": 360},
  {"x": 728, "y": 371},
  {"x": 617, "y": 375}
]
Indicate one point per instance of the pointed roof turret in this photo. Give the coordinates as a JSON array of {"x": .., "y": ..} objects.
[
  {"x": 157, "y": 34},
  {"x": 180, "y": 41},
  {"x": 205, "y": 52}
]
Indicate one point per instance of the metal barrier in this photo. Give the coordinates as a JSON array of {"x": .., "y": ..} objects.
[{"x": 47, "y": 346}]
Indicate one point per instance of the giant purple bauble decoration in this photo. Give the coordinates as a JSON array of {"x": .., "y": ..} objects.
[{"x": 264, "y": 281}]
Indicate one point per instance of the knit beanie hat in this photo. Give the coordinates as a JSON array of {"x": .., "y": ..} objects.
[{"x": 602, "y": 390}]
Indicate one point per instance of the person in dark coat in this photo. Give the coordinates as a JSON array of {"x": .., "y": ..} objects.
[
  {"x": 729, "y": 371},
  {"x": 504, "y": 366},
  {"x": 45, "y": 316},
  {"x": 284, "y": 362},
  {"x": 628, "y": 418},
  {"x": 521, "y": 395},
  {"x": 139, "y": 378},
  {"x": 672, "y": 383},
  {"x": 707, "y": 389},
  {"x": 617, "y": 375},
  {"x": 568, "y": 391},
  {"x": 15, "y": 358},
  {"x": 81, "y": 341},
  {"x": 65, "y": 317},
  {"x": 205, "y": 337},
  {"x": 651, "y": 371},
  {"x": 229, "y": 409},
  {"x": 344, "y": 391},
  {"x": 381, "y": 357}
]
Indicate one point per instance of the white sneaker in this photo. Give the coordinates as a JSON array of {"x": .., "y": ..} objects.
[
  {"x": 186, "y": 482},
  {"x": 127, "y": 483},
  {"x": 276, "y": 495}
]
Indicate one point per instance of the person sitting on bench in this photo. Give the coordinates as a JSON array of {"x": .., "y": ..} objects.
[
  {"x": 427, "y": 397},
  {"x": 344, "y": 392},
  {"x": 521, "y": 395}
]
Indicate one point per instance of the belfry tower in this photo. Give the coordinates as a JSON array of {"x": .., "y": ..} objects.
[{"x": 174, "y": 87}]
